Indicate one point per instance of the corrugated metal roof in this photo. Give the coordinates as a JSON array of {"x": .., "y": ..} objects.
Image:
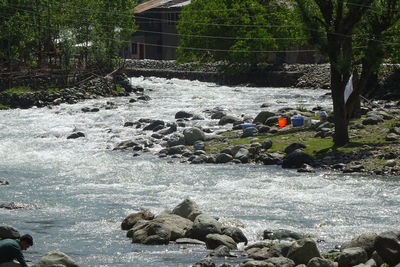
[{"x": 159, "y": 4}]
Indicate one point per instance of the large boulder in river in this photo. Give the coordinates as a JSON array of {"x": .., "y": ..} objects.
[
  {"x": 229, "y": 119},
  {"x": 133, "y": 218},
  {"x": 352, "y": 257},
  {"x": 215, "y": 240},
  {"x": 162, "y": 229},
  {"x": 263, "y": 116},
  {"x": 56, "y": 258},
  {"x": 365, "y": 241},
  {"x": 303, "y": 250},
  {"x": 7, "y": 231},
  {"x": 191, "y": 135},
  {"x": 203, "y": 225},
  {"x": 387, "y": 245},
  {"x": 187, "y": 209},
  {"x": 235, "y": 233}
]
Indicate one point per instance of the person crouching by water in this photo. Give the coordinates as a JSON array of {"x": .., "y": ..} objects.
[{"x": 11, "y": 249}]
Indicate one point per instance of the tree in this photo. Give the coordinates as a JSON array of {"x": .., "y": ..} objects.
[
  {"x": 373, "y": 37},
  {"x": 330, "y": 25},
  {"x": 234, "y": 31}
]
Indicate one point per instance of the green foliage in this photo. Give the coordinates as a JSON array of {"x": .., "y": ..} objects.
[
  {"x": 27, "y": 90},
  {"x": 37, "y": 33},
  {"x": 238, "y": 32}
]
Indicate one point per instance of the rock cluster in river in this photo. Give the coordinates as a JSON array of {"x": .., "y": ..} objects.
[
  {"x": 117, "y": 85},
  {"x": 188, "y": 224}
]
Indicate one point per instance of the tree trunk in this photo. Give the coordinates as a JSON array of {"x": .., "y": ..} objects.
[{"x": 341, "y": 136}]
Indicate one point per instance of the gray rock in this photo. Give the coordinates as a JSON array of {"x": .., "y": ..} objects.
[
  {"x": 187, "y": 209},
  {"x": 183, "y": 114},
  {"x": 172, "y": 128},
  {"x": 190, "y": 241},
  {"x": 223, "y": 158},
  {"x": 192, "y": 135},
  {"x": 266, "y": 144},
  {"x": 372, "y": 120},
  {"x": 387, "y": 245},
  {"x": 56, "y": 258},
  {"x": 243, "y": 155},
  {"x": 76, "y": 135},
  {"x": 263, "y": 116},
  {"x": 248, "y": 132},
  {"x": 229, "y": 119},
  {"x": 215, "y": 240},
  {"x": 297, "y": 159},
  {"x": 369, "y": 263},
  {"x": 206, "y": 262},
  {"x": 303, "y": 250},
  {"x": 256, "y": 263},
  {"x": 154, "y": 125},
  {"x": 282, "y": 235},
  {"x": 204, "y": 225},
  {"x": 351, "y": 257},
  {"x": 7, "y": 231},
  {"x": 365, "y": 241},
  {"x": 179, "y": 149},
  {"x": 222, "y": 252},
  {"x": 294, "y": 146},
  {"x": 320, "y": 262},
  {"x": 306, "y": 168},
  {"x": 281, "y": 262},
  {"x": 271, "y": 159},
  {"x": 235, "y": 233},
  {"x": 133, "y": 218},
  {"x": 199, "y": 145},
  {"x": 272, "y": 121},
  {"x": 161, "y": 230},
  {"x": 392, "y": 137}
]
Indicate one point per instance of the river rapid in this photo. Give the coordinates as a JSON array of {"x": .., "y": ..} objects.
[{"x": 80, "y": 190}]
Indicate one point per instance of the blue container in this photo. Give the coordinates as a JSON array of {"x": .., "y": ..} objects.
[
  {"x": 247, "y": 125},
  {"x": 297, "y": 120}
]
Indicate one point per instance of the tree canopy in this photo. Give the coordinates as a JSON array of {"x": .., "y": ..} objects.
[
  {"x": 34, "y": 33},
  {"x": 238, "y": 32}
]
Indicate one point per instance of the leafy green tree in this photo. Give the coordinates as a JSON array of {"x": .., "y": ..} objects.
[
  {"x": 330, "y": 25},
  {"x": 16, "y": 34},
  {"x": 113, "y": 27},
  {"x": 234, "y": 31}
]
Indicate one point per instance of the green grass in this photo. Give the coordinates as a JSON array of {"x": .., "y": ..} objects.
[
  {"x": 370, "y": 138},
  {"x": 118, "y": 89},
  {"x": 27, "y": 90},
  {"x": 3, "y": 107}
]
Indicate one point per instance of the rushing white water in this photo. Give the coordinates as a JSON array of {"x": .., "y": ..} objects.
[{"x": 82, "y": 189}]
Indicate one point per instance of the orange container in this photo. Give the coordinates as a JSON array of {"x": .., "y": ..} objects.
[{"x": 282, "y": 122}]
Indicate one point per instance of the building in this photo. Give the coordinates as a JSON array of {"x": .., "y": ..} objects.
[{"x": 157, "y": 36}]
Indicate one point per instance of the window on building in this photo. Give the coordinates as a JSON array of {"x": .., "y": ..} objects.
[
  {"x": 172, "y": 18},
  {"x": 134, "y": 48}
]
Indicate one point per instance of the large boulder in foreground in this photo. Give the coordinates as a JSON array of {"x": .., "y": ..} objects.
[
  {"x": 7, "y": 231},
  {"x": 204, "y": 225},
  {"x": 164, "y": 228},
  {"x": 365, "y": 241},
  {"x": 187, "y": 209},
  {"x": 133, "y": 218},
  {"x": 303, "y": 250},
  {"x": 215, "y": 240},
  {"x": 387, "y": 245},
  {"x": 56, "y": 258}
]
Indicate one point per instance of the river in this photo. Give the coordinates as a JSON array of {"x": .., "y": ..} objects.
[{"x": 80, "y": 190}]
